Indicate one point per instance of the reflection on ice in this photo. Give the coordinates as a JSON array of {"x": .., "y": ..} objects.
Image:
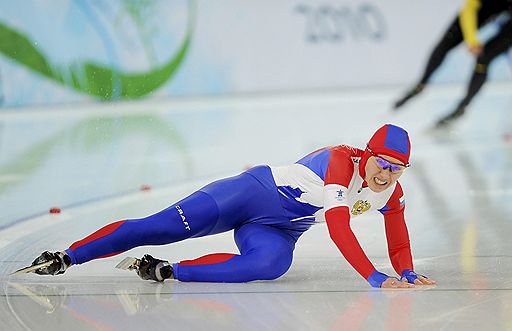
[{"x": 92, "y": 164}]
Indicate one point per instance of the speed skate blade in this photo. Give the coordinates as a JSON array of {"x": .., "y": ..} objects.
[
  {"x": 32, "y": 268},
  {"x": 128, "y": 263}
]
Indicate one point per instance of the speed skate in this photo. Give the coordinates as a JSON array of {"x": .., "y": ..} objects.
[
  {"x": 129, "y": 263},
  {"x": 32, "y": 268}
]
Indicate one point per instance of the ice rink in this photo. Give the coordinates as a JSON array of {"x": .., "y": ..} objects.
[{"x": 91, "y": 163}]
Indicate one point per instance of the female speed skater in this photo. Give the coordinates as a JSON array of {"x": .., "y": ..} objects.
[{"x": 269, "y": 208}]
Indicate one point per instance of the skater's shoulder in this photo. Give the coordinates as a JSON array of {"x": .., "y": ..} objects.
[{"x": 347, "y": 151}]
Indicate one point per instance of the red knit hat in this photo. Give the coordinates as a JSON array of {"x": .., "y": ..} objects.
[
  {"x": 392, "y": 141},
  {"x": 389, "y": 140}
]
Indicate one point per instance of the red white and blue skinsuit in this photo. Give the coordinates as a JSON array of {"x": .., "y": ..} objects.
[{"x": 269, "y": 208}]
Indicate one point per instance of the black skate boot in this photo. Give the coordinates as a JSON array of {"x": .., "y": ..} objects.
[
  {"x": 448, "y": 119},
  {"x": 61, "y": 261},
  {"x": 150, "y": 268},
  {"x": 412, "y": 93}
]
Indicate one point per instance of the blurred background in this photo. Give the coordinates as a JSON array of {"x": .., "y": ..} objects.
[
  {"x": 117, "y": 94},
  {"x": 102, "y": 100}
]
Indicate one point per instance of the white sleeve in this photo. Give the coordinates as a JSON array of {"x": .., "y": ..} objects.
[{"x": 335, "y": 195}]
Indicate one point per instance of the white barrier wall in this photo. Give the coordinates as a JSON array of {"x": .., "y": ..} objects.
[{"x": 68, "y": 51}]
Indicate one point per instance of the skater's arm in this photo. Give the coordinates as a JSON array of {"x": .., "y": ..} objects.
[
  {"x": 338, "y": 223},
  {"x": 397, "y": 235},
  {"x": 338, "y": 176},
  {"x": 399, "y": 247},
  {"x": 399, "y": 250},
  {"x": 468, "y": 20}
]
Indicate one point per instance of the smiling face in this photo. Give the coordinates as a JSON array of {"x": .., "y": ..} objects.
[{"x": 377, "y": 178}]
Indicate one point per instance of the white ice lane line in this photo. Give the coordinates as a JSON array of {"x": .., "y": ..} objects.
[{"x": 17, "y": 231}]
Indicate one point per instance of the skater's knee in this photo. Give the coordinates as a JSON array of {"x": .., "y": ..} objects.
[
  {"x": 273, "y": 265},
  {"x": 480, "y": 68},
  {"x": 483, "y": 59}
]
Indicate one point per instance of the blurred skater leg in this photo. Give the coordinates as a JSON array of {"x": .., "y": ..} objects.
[
  {"x": 451, "y": 38},
  {"x": 499, "y": 44}
]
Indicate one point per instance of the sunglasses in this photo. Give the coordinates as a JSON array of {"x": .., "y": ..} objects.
[{"x": 385, "y": 164}]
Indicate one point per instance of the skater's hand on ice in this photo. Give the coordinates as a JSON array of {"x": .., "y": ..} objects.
[
  {"x": 422, "y": 280},
  {"x": 393, "y": 282},
  {"x": 411, "y": 277}
]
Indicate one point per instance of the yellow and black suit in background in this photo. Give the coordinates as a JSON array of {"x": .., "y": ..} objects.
[{"x": 473, "y": 15}]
